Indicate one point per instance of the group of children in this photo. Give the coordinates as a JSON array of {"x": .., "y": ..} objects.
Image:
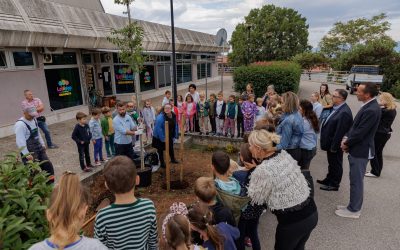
[{"x": 130, "y": 222}]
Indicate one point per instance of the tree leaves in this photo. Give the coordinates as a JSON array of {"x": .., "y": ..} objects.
[{"x": 269, "y": 33}]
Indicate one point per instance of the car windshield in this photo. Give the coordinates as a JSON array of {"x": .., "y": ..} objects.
[{"x": 371, "y": 70}]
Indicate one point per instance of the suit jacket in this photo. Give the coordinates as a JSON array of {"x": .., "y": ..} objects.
[
  {"x": 335, "y": 127},
  {"x": 360, "y": 138}
]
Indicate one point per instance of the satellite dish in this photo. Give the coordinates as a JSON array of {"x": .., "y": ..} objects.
[{"x": 221, "y": 37}]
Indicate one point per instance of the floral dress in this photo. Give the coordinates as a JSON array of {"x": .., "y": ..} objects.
[{"x": 249, "y": 110}]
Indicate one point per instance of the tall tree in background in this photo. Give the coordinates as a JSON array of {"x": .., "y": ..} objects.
[
  {"x": 343, "y": 36},
  {"x": 269, "y": 33},
  {"x": 129, "y": 41}
]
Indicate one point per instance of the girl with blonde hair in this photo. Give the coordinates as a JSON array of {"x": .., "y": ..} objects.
[
  {"x": 278, "y": 183},
  {"x": 388, "y": 107},
  {"x": 66, "y": 214}
]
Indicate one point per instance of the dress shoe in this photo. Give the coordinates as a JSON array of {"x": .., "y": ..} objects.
[
  {"x": 348, "y": 214},
  {"x": 323, "y": 182},
  {"x": 329, "y": 188}
]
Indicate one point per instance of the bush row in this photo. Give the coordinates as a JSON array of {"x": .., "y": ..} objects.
[{"x": 285, "y": 76}]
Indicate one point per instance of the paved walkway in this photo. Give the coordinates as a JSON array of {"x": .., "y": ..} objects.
[{"x": 66, "y": 157}]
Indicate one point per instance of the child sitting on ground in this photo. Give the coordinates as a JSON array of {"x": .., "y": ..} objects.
[
  {"x": 82, "y": 136},
  {"x": 129, "y": 223},
  {"x": 108, "y": 131},
  {"x": 221, "y": 236},
  {"x": 176, "y": 228},
  {"x": 66, "y": 214},
  {"x": 205, "y": 190}
]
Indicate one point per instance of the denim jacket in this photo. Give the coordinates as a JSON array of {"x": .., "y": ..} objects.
[{"x": 291, "y": 130}]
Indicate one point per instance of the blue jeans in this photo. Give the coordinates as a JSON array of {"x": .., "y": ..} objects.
[
  {"x": 46, "y": 131},
  {"x": 98, "y": 149},
  {"x": 110, "y": 146}
]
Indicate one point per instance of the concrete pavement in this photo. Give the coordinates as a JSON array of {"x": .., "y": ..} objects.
[{"x": 379, "y": 224}]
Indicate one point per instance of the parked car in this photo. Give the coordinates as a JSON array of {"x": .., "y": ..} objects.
[{"x": 361, "y": 74}]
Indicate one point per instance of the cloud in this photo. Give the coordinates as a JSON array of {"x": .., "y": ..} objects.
[{"x": 210, "y": 15}]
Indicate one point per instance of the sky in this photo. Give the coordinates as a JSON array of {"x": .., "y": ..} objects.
[{"x": 211, "y": 15}]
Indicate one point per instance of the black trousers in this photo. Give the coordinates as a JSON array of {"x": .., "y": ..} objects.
[
  {"x": 124, "y": 149},
  {"x": 160, "y": 151},
  {"x": 294, "y": 236},
  {"x": 213, "y": 124},
  {"x": 47, "y": 166},
  {"x": 377, "y": 162},
  {"x": 240, "y": 126},
  {"x": 305, "y": 158},
  {"x": 248, "y": 228},
  {"x": 83, "y": 150},
  {"x": 335, "y": 168},
  {"x": 295, "y": 153},
  {"x": 196, "y": 123}
]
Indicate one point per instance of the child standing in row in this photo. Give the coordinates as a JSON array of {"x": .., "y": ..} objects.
[
  {"x": 189, "y": 108},
  {"x": 108, "y": 131},
  {"x": 167, "y": 96},
  {"x": 220, "y": 108},
  {"x": 180, "y": 111},
  {"x": 203, "y": 108},
  {"x": 260, "y": 109},
  {"x": 149, "y": 117},
  {"x": 230, "y": 116},
  {"x": 239, "y": 123},
  {"x": 212, "y": 114},
  {"x": 82, "y": 136},
  {"x": 249, "y": 110},
  {"x": 97, "y": 137}
]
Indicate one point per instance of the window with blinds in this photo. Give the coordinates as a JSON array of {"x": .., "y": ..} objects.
[{"x": 201, "y": 70}]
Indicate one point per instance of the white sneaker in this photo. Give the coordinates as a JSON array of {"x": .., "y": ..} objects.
[
  {"x": 155, "y": 168},
  {"x": 340, "y": 207},
  {"x": 348, "y": 214},
  {"x": 369, "y": 174}
]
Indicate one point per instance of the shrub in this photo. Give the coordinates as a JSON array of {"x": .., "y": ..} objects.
[
  {"x": 23, "y": 200},
  {"x": 230, "y": 149},
  {"x": 395, "y": 90},
  {"x": 285, "y": 76},
  {"x": 211, "y": 148}
]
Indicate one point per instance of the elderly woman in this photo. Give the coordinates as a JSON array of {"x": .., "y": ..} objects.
[
  {"x": 290, "y": 126},
  {"x": 278, "y": 183},
  {"x": 159, "y": 133}
]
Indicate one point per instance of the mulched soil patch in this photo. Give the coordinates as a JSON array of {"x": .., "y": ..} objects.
[{"x": 196, "y": 162}]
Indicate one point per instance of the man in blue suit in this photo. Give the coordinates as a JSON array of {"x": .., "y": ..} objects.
[
  {"x": 359, "y": 143},
  {"x": 333, "y": 129}
]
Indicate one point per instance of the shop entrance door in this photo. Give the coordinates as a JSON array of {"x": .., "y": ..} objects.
[{"x": 107, "y": 83}]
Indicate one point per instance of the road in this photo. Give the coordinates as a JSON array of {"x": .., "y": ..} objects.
[{"x": 379, "y": 224}]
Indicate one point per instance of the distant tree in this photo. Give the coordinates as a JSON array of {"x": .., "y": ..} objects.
[
  {"x": 343, "y": 36},
  {"x": 269, "y": 33},
  {"x": 308, "y": 60}
]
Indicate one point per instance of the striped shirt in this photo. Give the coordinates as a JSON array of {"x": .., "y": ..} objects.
[{"x": 128, "y": 226}]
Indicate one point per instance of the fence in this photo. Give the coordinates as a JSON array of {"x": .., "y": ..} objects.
[{"x": 338, "y": 77}]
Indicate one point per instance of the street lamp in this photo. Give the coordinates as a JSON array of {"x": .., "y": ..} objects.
[
  {"x": 248, "y": 26},
  {"x": 174, "y": 88}
]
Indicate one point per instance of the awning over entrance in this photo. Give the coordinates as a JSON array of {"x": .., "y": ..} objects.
[{"x": 39, "y": 23}]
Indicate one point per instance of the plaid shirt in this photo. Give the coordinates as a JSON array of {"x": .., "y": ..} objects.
[{"x": 36, "y": 102}]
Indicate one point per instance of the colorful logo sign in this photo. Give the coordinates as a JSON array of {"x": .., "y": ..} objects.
[
  {"x": 63, "y": 88},
  {"x": 124, "y": 75},
  {"x": 147, "y": 77}
]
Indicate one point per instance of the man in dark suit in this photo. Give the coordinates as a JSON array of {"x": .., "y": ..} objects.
[
  {"x": 359, "y": 143},
  {"x": 335, "y": 126}
]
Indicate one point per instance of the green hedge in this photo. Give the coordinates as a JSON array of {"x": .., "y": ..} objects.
[{"x": 285, "y": 76}]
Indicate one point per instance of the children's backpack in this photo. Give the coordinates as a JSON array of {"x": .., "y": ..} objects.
[{"x": 235, "y": 203}]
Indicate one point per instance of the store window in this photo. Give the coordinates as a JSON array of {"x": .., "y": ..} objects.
[
  {"x": 164, "y": 75},
  {"x": 22, "y": 59},
  {"x": 3, "y": 61},
  {"x": 184, "y": 73},
  {"x": 124, "y": 79},
  {"x": 147, "y": 81},
  {"x": 67, "y": 58},
  {"x": 202, "y": 69},
  {"x": 87, "y": 58},
  {"x": 64, "y": 87}
]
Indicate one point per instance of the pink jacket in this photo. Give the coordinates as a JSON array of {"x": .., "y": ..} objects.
[{"x": 191, "y": 112}]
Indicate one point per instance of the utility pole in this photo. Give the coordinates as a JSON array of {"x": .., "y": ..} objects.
[
  {"x": 248, "y": 43},
  {"x": 174, "y": 87}
]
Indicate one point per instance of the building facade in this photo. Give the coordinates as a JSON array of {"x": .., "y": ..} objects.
[{"x": 59, "y": 50}]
